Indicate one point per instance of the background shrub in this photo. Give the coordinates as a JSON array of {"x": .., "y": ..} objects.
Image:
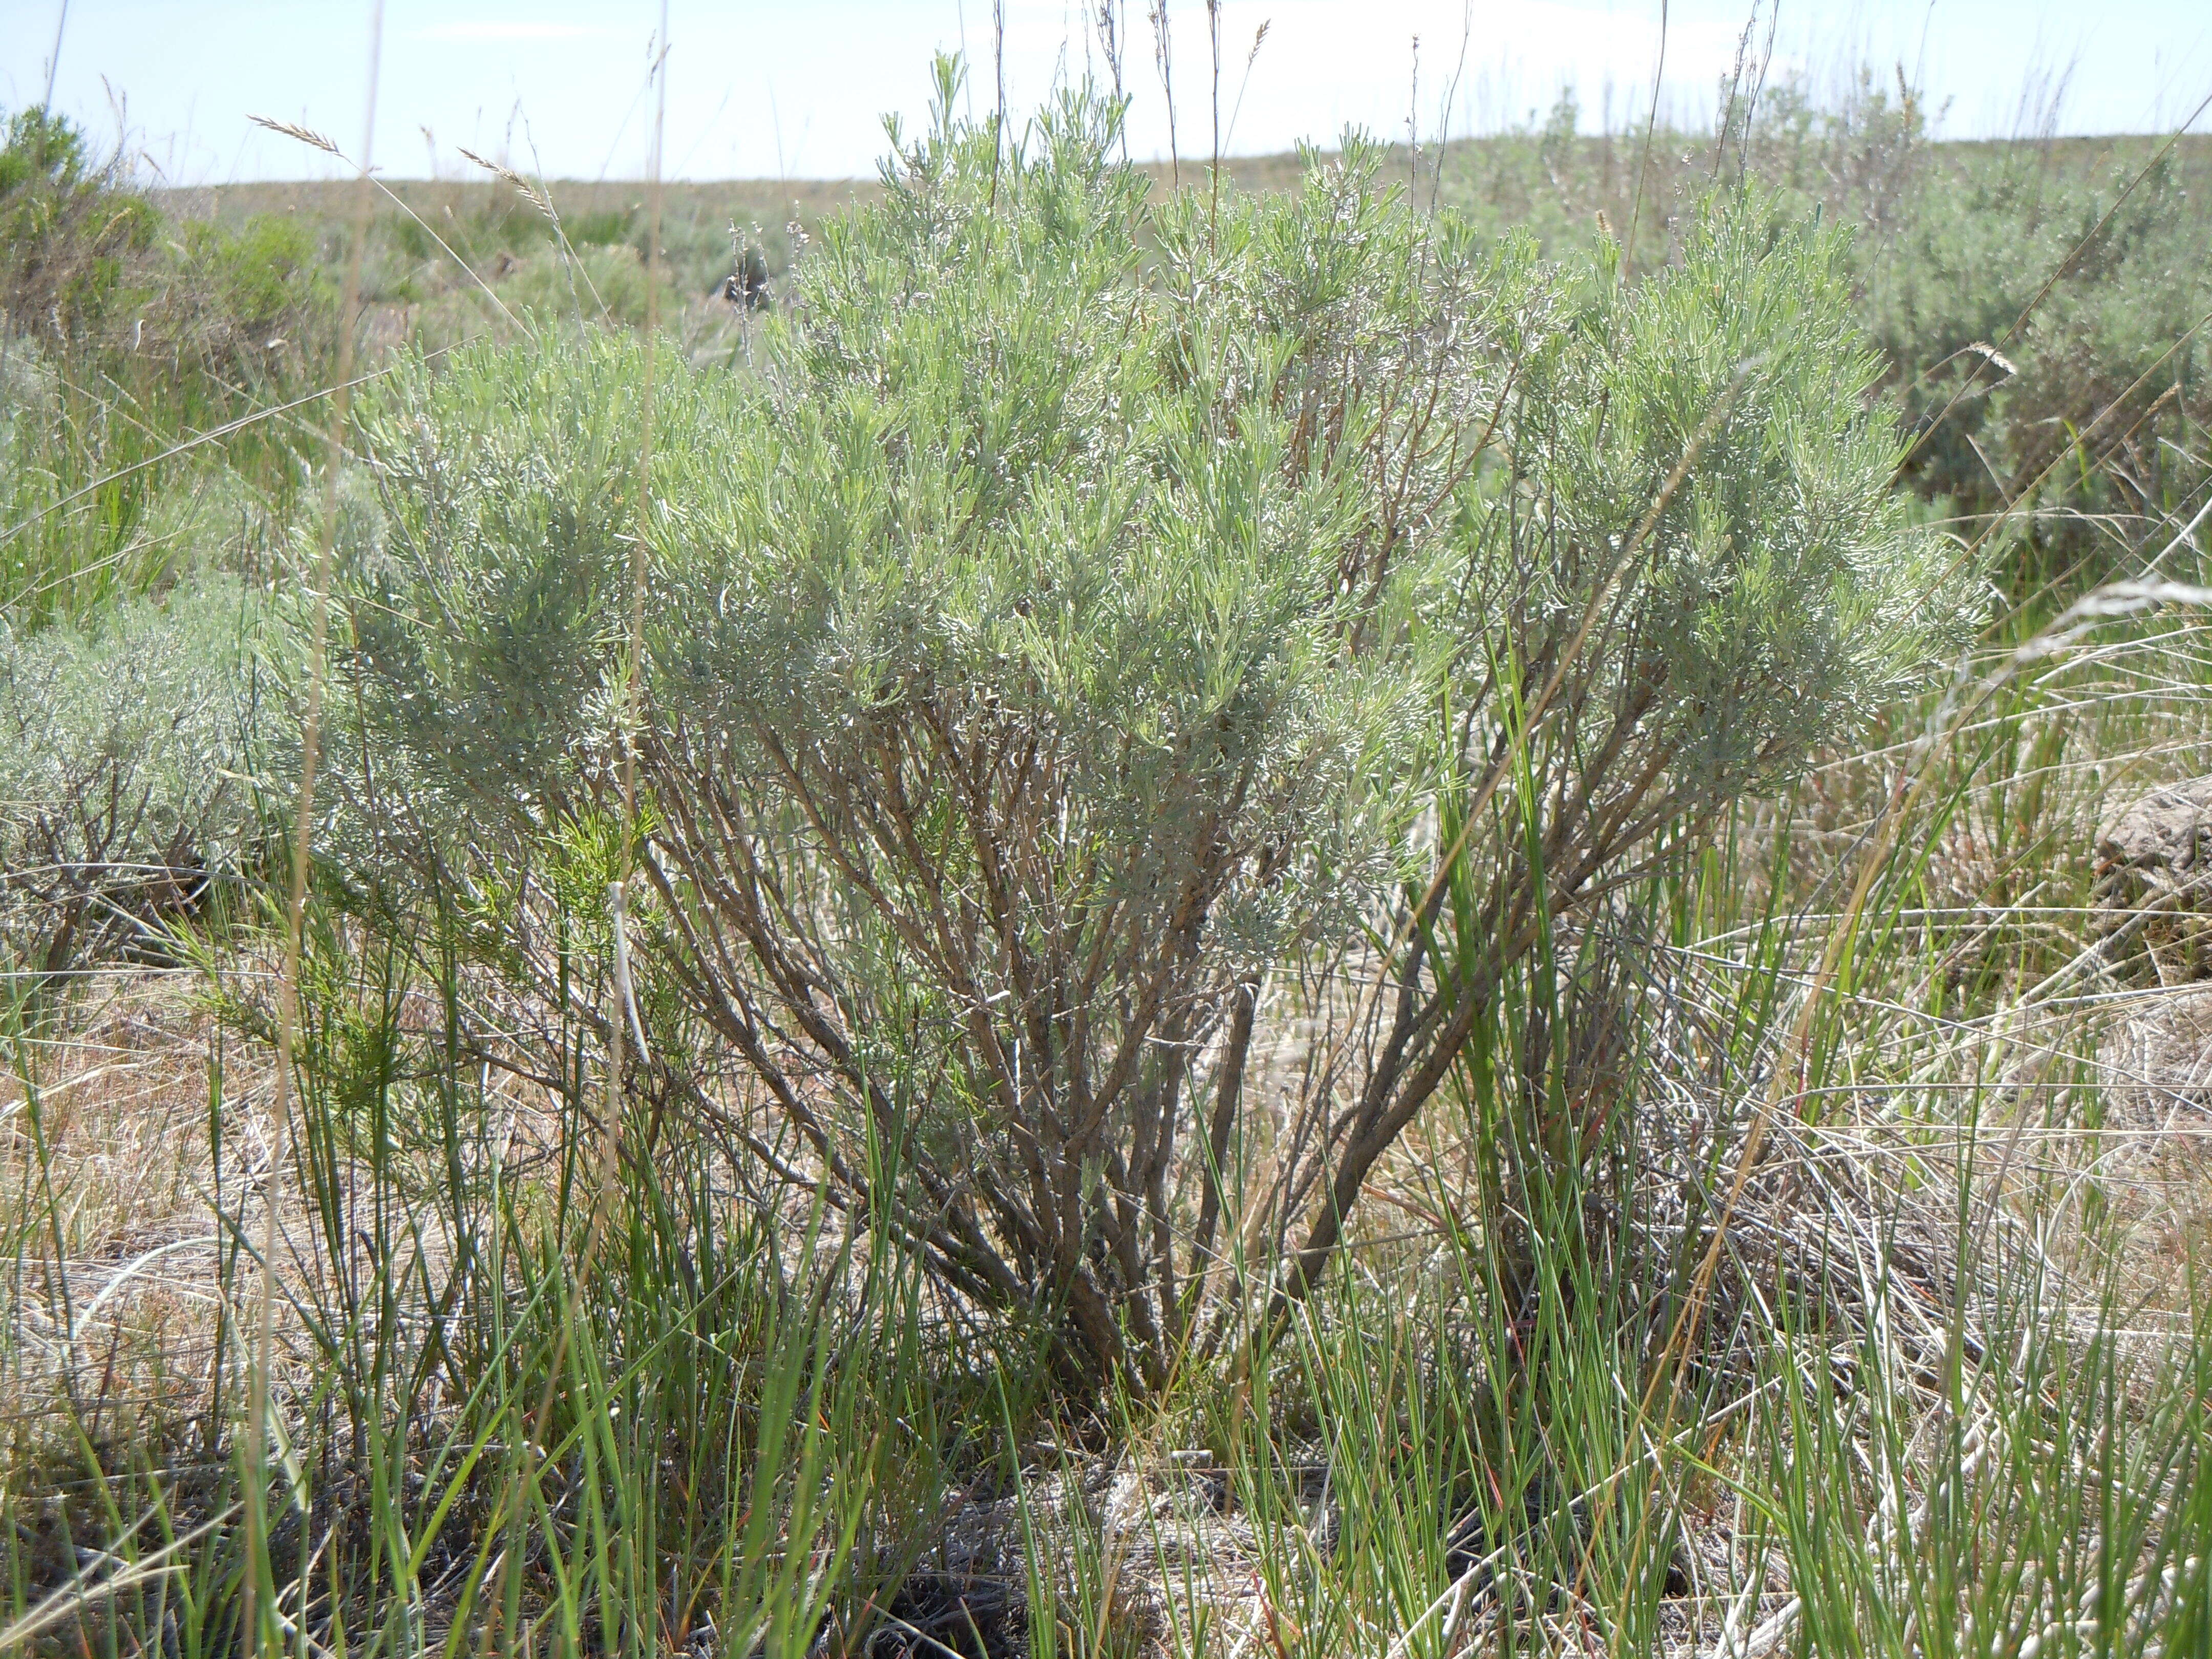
[
  {"x": 130, "y": 750},
  {"x": 68, "y": 240}
]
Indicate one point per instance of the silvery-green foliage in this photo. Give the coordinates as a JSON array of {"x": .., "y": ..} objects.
[
  {"x": 1782, "y": 596},
  {"x": 1685, "y": 569},
  {"x": 129, "y": 749},
  {"x": 485, "y": 576},
  {"x": 1002, "y": 526},
  {"x": 1068, "y": 626},
  {"x": 1037, "y": 677}
]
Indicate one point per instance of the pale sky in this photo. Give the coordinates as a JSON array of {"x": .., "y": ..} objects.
[{"x": 797, "y": 90}]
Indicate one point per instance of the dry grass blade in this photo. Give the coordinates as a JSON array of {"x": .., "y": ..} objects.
[
  {"x": 1990, "y": 354},
  {"x": 288, "y": 1022},
  {"x": 75, "y": 1598},
  {"x": 529, "y": 193},
  {"x": 306, "y": 135}
]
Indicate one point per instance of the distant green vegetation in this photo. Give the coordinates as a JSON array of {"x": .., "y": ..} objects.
[
  {"x": 2080, "y": 423},
  {"x": 2038, "y": 304}
]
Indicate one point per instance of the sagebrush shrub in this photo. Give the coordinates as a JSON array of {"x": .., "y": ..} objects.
[
  {"x": 1092, "y": 610},
  {"x": 130, "y": 754}
]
